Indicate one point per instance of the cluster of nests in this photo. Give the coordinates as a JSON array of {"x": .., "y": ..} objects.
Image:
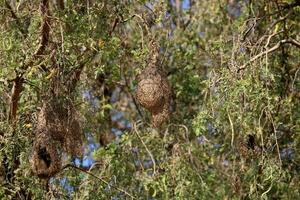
[
  {"x": 57, "y": 131},
  {"x": 153, "y": 90}
]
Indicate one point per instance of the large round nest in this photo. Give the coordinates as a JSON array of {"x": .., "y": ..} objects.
[
  {"x": 154, "y": 94},
  {"x": 46, "y": 157},
  {"x": 150, "y": 94}
]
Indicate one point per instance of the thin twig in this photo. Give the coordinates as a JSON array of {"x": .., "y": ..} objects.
[
  {"x": 232, "y": 129},
  {"x": 99, "y": 178},
  {"x": 148, "y": 151},
  {"x": 144, "y": 23},
  {"x": 294, "y": 79},
  {"x": 186, "y": 135},
  {"x": 132, "y": 96},
  {"x": 117, "y": 22},
  {"x": 261, "y": 132},
  {"x": 271, "y": 36},
  {"x": 276, "y": 139}
]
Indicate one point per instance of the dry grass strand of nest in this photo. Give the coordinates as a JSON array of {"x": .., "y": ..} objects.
[
  {"x": 46, "y": 158},
  {"x": 59, "y": 120},
  {"x": 159, "y": 118}
]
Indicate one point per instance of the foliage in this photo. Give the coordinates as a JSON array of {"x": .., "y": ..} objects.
[{"x": 234, "y": 70}]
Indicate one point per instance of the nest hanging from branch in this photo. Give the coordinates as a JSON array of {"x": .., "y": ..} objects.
[
  {"x": 46, "y": 157},
  {"x": 153, "y": 90},
  {"x": 57, "y": 131},
  {"x": 59, "y": 120}
]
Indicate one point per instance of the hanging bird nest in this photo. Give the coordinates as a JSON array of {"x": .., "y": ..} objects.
[
  {"x": 150, "y": 94},
  {"x": 57, "y": 130},
  {"x": 106, "y": 138},
  {"x": 46, "y": 157},
  {"x": 153, "y": 90},
  {"x": 58, "y": 119}
]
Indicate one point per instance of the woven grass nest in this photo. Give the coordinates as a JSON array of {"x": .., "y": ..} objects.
[
  {"x": 153, "y": 90},
  {"x": 60, "y": 121},
  {"x": 46, "y": 157},
  {"x": 57, "y": 124}
]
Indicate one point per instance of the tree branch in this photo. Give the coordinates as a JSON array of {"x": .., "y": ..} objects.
[
  {"x": 19, "y": 80},
  {"x": 45, "y": 31},
  {"x": 274, "y": 48},
  {"x": 15, "y": 96}
]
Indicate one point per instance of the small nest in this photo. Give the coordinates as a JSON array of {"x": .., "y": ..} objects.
[
  {"x": 59, "y": 121},
  {"x": 106, "y": 138},
  {"x": 154, "y": 94},
  {"x": 46, "y": 157}
]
